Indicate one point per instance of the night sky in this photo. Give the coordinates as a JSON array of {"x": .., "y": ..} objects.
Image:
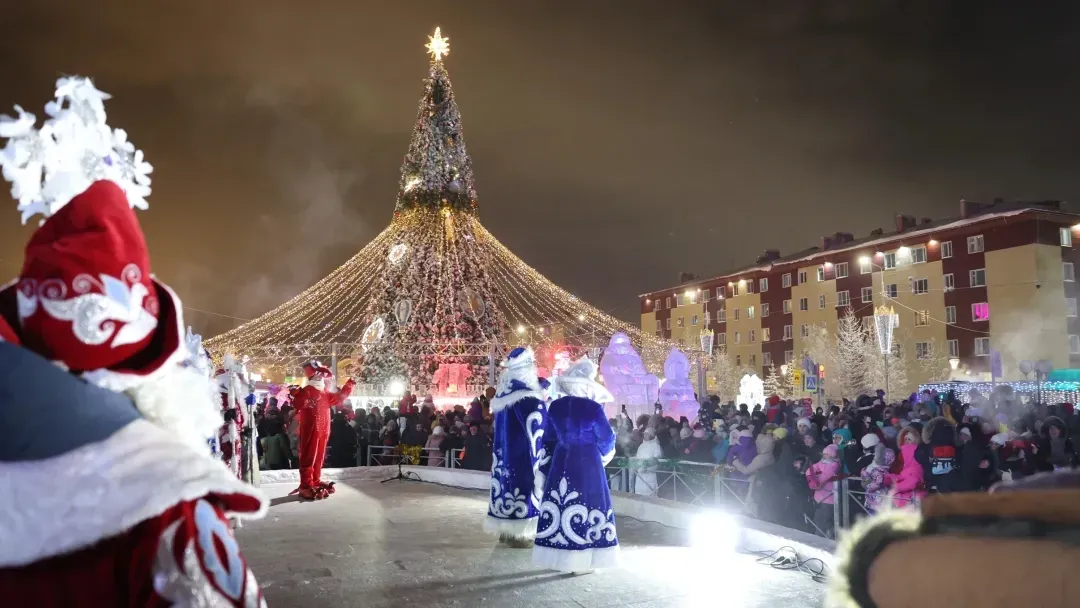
[{"x": 614, "y": 145}]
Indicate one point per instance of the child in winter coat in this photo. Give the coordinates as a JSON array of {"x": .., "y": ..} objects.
[
  {"x": 909, "y": 486},
  {"x": 877, "y": 480},
  {"x": 820, "y": 478}
]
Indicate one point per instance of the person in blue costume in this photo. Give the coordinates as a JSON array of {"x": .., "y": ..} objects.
[
  {"x": 516, "y": 478},
  {"x": 576, "y": 528}
]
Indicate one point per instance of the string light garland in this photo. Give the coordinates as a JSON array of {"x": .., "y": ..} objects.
[
  {"x": 1053, "y": 391},
  {"x": 469, "y": 297}
]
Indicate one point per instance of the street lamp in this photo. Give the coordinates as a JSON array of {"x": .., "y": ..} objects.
[
  {"x": 884, "y": 323},
  {"x": 1042, "y": 371}
]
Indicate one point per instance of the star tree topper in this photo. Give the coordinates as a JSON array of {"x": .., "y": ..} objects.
[{"x": 438, "y": 46}]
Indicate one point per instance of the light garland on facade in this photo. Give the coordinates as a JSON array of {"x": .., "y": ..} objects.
[{"x": 1053, "y": 391}]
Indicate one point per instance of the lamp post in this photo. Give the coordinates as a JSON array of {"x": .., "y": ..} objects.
[
  {"x": 1042, "y": 371},
  {"x": 884, "y": 323}
]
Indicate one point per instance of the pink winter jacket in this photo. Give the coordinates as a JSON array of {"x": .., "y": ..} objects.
[
  {"x": 820, "y": 478},
  {"x": 909, "y": 482}
]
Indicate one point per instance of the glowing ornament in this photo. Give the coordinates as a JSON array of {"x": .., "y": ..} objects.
[
  {"x": 471, "y": 303},
  {"x": 412, "y": 183},
  {"x": 455, "y": 187},
  {"x": 403, "y": 311},
  {"x": 397, "y": 252},
  {"x": 373, "y": 333},
  {"x": 438, "y": 46}
]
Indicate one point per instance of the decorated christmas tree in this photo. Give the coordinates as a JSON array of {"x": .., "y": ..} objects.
[{"x": 435, "y": 288}]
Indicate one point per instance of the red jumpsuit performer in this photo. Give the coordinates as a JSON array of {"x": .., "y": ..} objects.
[{"x": 313, "y": 403}]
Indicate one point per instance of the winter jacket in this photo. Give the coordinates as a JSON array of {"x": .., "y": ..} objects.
[
  {"x": 647, "y": 454},
  {"x": 763, "y": 458},
  {"x": 742, "y": 452},
  {"x": 276, "y": 451},
  {"x": 720, "y": 451},
  {"x": 820, "y": 478},
  {"x": 433, "y": 449},
  {"x": 909, "y": 484},
  {"x": 939, "y": 456},
  {"x": 876, "y": 479}
]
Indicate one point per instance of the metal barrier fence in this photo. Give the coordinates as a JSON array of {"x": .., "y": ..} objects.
[{"x": 379, "y": 455}]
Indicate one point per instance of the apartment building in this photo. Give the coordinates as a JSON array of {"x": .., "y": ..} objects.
[{"x": 1000, "y": 277}]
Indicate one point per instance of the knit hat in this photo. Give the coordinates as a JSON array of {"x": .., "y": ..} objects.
[
  {"x": 437, "y": 431},
  {"x": 966, "y": 431},
  {"x": 869, "y": 440},
  {"x": 685, "y": 433},
  {"x": 804, "y": 422},
  {"x": 830, "y": 451},
  {"x": 1000, "y": 439},
  {"x": 780, "y": 433},
  {"x": 85, "y": 297}
]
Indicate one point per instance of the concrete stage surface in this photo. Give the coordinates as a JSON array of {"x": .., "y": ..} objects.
[{"x": 407, "y": 544}]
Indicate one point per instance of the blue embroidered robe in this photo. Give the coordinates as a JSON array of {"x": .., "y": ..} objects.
[
  {"x": 519, "y": 457},
  {"x": 576, "y": 528}
]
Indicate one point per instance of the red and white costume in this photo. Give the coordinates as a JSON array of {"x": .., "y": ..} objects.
[
  {"x": 231, "y": 388},
  {"x": 313, "y": 404},
  {"x": 115, "y": 501}
]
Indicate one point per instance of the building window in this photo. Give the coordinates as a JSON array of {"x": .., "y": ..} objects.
[
  {"x": 897, "y": 350},
  {"x": 681, "y": 322},
  {"x": 766, "y": 359},
  {"x": 804, "y": 304},
  {"x": 789, "y": 356},
  {"x": 763, "y": 284},
  {"x": 843, "y": 298},
  {"x": 922, "y": 350},
  {"x": 738, "y": 358},
  {"x": 977, "y": 278},
  {"x": 787, "y": 332},
  {"x": 1066, "y": 237},
  {"x": 802, "y": 277},
  {"x": 946, "y": 249},
  {"x": 749, "y": 312},
  {"x": 753, "y": 360},
  {"x": 679, "y": 301},
  {"x": 667, "y": 324},
  {"x": 950, "y": 282},
  {"x": 821, "y": 302},
  {"x": 1074, "y": 344},
  {"x": 954, "y": 347},
  {"x": 867, "y": 294},
  {"x": 980, "y": 312},
  {"x": 1070, "y": 307},
  {"x": 750, "y": 286},
  {"x": 975, "y": 244},
  {"x": 865, "y": 266},
  {"x": 667, "y": 302},
  {"x": 787, "y": 307},
  {"x": 1068, "y": 272},
  {"x": 804, "y": 330},
  {"x": 890, "y": 261},
  {"x": 721, "y": 316},
  {"x": 721, "y": 339},
  {"x": 922, "y": 318},
  {"x": 950, "y": 314},
  {"x": 920, "y": 286},
  {"x": 736, "y": 337},
  {"x": 706, "y": 295},
  {"x": 736, "y": 311},
  {"x": 868, "y": 323},
  {"x": 658, "y": 327},
  {"x": 693, "y": 321},
  {"x": 785, "y": 281},
  {"x": 820, "y": 273},
  {"x": 766, "y": 335},
  {"x": 752, "y": 335},
  {"x": 890, "y": 290},
  {"x": 764, "y": 310},
  {"x": 918, "y": 254},
  {"x": 720, "y": 293},
  {"x": 982, "y": 347},
  {"x": 734, "y": 289},
  {"x": 841, "y": 270}
]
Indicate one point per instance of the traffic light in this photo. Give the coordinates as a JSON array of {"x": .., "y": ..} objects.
[{"x": 821, "y": 371}]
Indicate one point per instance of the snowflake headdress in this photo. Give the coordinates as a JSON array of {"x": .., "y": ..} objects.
[{"x": 74, "y": 148}]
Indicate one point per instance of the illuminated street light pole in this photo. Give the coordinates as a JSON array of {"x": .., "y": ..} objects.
[{"x": 883, "y": 327}]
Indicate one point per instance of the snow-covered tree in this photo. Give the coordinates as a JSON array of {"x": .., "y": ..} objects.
[
  {"x": 851, "y": 364},
  {"x": 895, "y": 370},
  {"x": 935, "y": 366},
  {"x": 774, "y": 383},
  {"x": 726, "y": 375}
]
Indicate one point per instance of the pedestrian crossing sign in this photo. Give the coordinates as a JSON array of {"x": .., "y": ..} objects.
[{"x": 810, "y": 383}]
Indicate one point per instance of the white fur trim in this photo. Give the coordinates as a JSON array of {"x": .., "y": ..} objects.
[
  {"x": 520, "y": 528},
  {"x": 606, "y": 458},
  {"x": 586, "y": 388},
  {"x": 318, "y": 382},
  {"x": 566, "y": 560},
  {"x": 69, "y": 502},
  {"x": 182, "y": 402},
  {"x": 500, "y": 403},
  {"x": 901, "y": 520}
]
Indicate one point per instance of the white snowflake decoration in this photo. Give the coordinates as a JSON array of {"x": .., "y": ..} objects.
[
  {"x": 48, "y": 167},
  {"x": 372, "y": 334},
  {"x": 397, "y": 252}
]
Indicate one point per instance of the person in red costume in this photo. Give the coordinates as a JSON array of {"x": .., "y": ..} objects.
[
  {"x": 108, "y": 495},
  {"x": 313, "y": 404}
]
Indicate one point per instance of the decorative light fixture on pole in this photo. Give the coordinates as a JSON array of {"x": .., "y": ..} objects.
[{"x": 885, "y": 320}]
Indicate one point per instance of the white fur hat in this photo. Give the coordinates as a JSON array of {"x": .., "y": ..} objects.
[{"x": 869, "y": 440}]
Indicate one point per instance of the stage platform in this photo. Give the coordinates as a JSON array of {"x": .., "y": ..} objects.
[{"x": 419, "y": 544}]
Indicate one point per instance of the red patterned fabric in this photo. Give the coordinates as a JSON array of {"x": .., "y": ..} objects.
[
  {"x": 183, "y": 557},
  {"x": 313, "y": 407}
]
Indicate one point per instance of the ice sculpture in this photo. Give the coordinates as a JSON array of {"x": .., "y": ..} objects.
[
  {"x": 751, "y": 391},
  {"x": 626, "y": 377},
  {"x": 677, "y": 392}
]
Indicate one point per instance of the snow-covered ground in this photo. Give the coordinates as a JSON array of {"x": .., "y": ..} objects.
[{"x": 416, "y": 544}]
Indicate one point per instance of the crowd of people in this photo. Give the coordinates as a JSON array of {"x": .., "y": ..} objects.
[
  {"x": 791, "y": 454},
  {"x": 430, "y": 434}
]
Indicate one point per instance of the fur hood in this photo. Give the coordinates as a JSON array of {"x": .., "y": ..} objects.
[
  {"x": 765, "y": 443},
  {"x": 904, "y": 432},
  {"x": 1059, "y": 423},
  {"x": 940, "y": 429}
]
